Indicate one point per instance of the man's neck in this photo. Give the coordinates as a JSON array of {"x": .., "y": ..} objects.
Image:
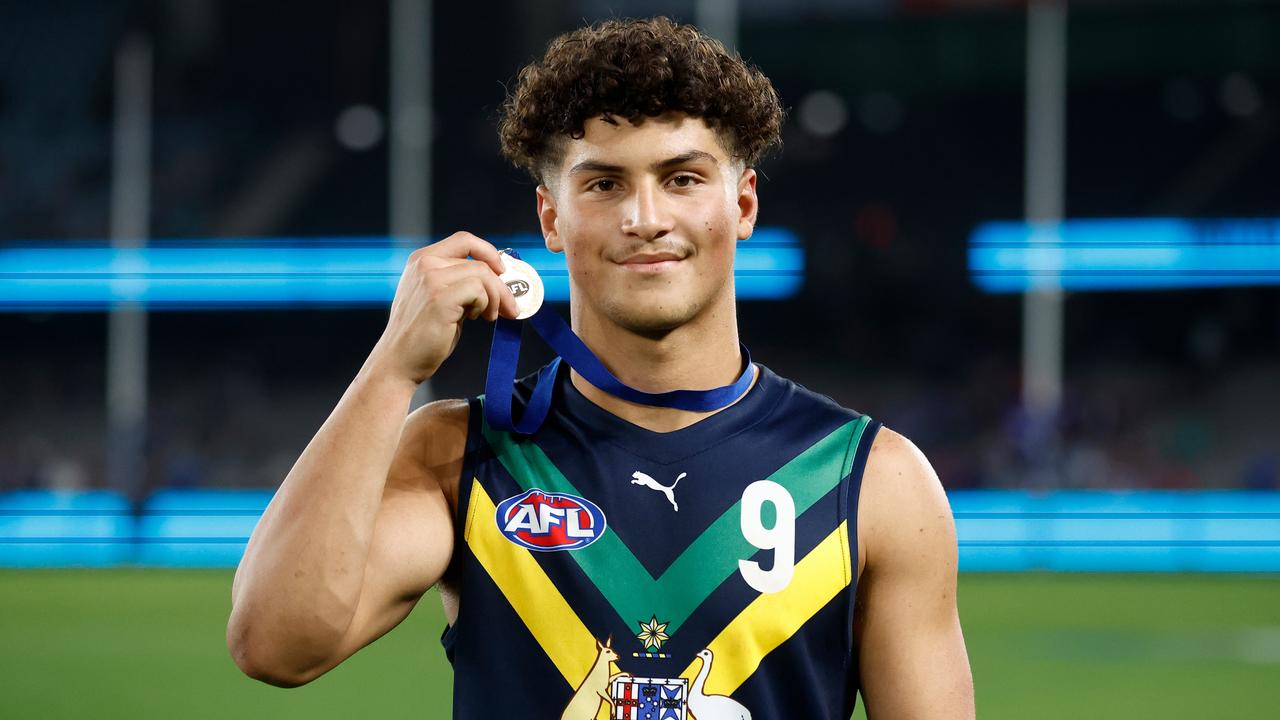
[{"x": 700, "y": 355}]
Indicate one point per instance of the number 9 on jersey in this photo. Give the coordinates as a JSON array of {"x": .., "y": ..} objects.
[{"x": 781, "y": 538}]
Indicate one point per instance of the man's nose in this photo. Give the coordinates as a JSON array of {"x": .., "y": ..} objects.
[{"x": 647, "y": 215}]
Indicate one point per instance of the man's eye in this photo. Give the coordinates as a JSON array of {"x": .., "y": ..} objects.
[
  {"x": 605, "y": 185},
  {"x": 683, "y": 180}
]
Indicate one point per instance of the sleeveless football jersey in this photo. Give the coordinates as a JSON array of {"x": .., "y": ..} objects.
[{"x": 608, "y": 571}]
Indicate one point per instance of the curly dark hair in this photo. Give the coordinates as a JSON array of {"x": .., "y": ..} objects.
[{"x": 636, "y": 69}]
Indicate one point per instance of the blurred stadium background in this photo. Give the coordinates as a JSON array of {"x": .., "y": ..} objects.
[{"x": 1042, "y": 243}]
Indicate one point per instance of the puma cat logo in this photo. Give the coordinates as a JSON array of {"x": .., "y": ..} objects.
[{"x": 639, "y": 478}]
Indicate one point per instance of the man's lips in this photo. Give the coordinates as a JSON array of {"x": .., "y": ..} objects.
[{"x": 651, "y": 262}]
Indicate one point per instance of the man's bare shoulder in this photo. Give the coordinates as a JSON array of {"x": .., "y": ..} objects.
[
  {"x": 432, "y": 446},
  {"x": 903, "y": 512}
]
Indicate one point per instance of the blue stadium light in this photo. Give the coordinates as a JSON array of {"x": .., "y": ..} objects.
[
  {"x": 997, "y": 530},
  {"x": 236, "y": 273},
  {"x": 1125, "y": 254}
]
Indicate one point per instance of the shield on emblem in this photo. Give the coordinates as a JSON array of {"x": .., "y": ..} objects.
[{"x": 639, "y": 698}]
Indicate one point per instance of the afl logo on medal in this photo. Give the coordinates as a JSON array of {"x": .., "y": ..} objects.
[
  {"x": 524, "y": 282},
  {"x": 550, "y": 521},
  {"x": 518, "y": 287}
]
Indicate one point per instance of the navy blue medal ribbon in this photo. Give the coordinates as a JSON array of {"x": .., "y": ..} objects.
[{"x": 505, "y": 352}]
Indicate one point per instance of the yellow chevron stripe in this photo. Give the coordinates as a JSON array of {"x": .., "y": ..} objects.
[
  {"x": 773, "y": 617},
  {"x": 533, "y": 596}
]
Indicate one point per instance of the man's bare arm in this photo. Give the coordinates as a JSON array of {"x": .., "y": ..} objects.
[
  {"x": 360, "y": 528},
  {"x": 912, "y": 654},
  {"x": 327, "y": 578}
]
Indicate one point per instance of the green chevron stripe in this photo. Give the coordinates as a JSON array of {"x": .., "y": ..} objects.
[{"x": 710, "y": 559}]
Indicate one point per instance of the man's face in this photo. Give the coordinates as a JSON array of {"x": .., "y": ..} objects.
[{"x": 648, "y": 217}]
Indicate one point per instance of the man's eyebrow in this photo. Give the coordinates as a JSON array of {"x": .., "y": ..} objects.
[
  {"x": 595, "y": 166},
  {"x": 683, "y": 158}
]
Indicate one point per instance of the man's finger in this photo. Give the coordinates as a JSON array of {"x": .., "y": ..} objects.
[
  {"x": 503, "y": 302},
  {"x": 499, "y": 295},
  {"x": 464, "y": 244},
  {"x": 468, "y": 293}
]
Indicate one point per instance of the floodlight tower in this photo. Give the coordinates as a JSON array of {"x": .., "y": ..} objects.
[
  {"x": 411, "y": 131},
  {"x": 126, "y": 401},
  {"x": 1042, "y": 349}
]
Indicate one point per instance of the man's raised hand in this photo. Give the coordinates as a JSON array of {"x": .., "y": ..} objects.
[{"x": 438, "y": 289}]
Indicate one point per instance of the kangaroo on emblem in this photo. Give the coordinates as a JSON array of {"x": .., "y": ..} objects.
[
  {"x": 594, "y": 689},
  {"x": 639, "y": 478}
]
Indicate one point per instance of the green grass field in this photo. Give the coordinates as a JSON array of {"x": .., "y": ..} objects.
[{"x": 149, "y": 644}]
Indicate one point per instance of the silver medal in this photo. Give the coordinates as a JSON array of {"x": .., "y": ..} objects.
[{"x": 524, "y": 283}]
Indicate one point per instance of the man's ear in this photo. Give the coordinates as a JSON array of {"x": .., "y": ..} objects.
[
  {"x": 748, "y": 203},
  {"x": 547, "y": 219}
]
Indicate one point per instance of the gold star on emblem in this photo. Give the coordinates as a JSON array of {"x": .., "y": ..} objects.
[{"x": 653, "y": 633}]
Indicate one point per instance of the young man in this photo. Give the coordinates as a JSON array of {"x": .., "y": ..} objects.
[{"x": 765, "y": 558}]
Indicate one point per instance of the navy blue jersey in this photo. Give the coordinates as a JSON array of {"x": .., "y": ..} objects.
[{"x": 609, "y": 571}]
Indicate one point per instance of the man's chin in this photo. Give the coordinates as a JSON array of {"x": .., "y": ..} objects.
[
  {"x": 652, "y": 322},
  {"x": 655, "y": 311}
]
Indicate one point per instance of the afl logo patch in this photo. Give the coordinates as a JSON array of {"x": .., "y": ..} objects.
[{"x": 550, "y": 521}]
